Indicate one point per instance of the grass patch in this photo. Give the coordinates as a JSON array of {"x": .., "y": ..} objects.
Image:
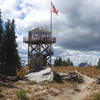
[
  {"x": 21, "y": 95},
  {"x": 32, "y": 82},
  {"x": 0, "y": 90},
  {"x": 97, "y": 96}
]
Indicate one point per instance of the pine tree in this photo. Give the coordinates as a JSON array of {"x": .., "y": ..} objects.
[
  {"x": 15, "y": 53},
  {"x": 1, "y": 44},
  {"x": 12, "y": 57},
  {"x": 69, "y": 62},
  {"x": 58, "y": 61},
  {"x": 64, "y": 63},
  {"x": 98, "y": 64},
  {"x": 7, "y": 46},
  {"x": 9, "y": 58}
]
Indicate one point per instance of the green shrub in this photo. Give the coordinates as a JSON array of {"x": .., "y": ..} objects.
[
  {"x": 32, "y": 82},
  {"x": 0, "y": 90},
  {"x": 21, "y": 93},
  {"x": 97, "y": 96}
]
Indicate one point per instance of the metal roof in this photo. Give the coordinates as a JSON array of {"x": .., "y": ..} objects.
[{"x": 40, "y": 29}]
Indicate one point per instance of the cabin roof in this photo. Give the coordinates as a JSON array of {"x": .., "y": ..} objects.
[{"x": 41, "y": 29}]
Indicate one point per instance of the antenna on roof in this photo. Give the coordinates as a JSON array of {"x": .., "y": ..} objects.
[{"x": 46, "y": 27}]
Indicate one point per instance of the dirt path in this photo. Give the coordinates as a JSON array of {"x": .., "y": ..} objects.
[
  {"x": 85, "y": 89},
  {"x": 78, "y": 93}
]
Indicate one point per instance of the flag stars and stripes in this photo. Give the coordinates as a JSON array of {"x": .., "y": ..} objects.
[{"x": 53, "y": 9}]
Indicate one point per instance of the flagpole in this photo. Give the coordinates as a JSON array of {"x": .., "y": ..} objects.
[
  {"x": 53, "y": 9},
  {"x": 51, "y": 25},
  {"x": 50, "y": 37}
]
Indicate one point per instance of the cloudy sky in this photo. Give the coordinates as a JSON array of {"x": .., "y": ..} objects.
[{"x": 76, "y": 27}]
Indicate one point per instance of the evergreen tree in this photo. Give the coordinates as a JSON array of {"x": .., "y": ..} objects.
[
  {"x": 12, "y": 57},
  {"x": 15, "y": 58},
  {"x": 1, "y": 44},
  {"x": 0, "y": 41},
  {"x": 98, "y": 64},
  {"x": 64, "y": 63},
  {"x": 9, "y": 58},
  {"x": 69, "y": 62},
  {"x": 58, "y": 61}
]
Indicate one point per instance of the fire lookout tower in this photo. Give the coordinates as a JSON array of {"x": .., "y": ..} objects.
[{"x": 39, "y": 42}]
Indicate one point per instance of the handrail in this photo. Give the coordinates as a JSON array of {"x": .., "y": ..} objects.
[{"x": 38, "y": 38}]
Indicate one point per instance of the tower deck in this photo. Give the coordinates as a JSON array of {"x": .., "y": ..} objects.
[{"x": 39, "y": 39}]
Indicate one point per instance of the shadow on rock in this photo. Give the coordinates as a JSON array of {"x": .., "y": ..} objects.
[{"x": 57, "y": 78}]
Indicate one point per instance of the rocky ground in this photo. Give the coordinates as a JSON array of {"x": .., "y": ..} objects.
[{"x": 54, "y": 91}]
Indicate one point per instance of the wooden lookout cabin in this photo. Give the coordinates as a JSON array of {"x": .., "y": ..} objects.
[{"x": 39, "y": 42}]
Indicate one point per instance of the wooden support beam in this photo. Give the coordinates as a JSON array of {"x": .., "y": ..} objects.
[
  {"x": 45, "y": 49},
  {"x": 34, "y": 49}
]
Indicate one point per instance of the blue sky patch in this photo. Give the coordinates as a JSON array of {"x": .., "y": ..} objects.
[
  {"x": 22, "y": 16},
  {"x": 18, "y": 8},
  {"x": 4, "y": 25}
]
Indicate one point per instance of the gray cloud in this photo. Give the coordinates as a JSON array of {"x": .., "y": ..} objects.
[{"x": 80, "y": 28}]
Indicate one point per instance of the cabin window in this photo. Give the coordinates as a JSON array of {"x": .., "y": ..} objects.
[
  {"x": 41, "y": 32},
  {"x": 35, "y": 32},
  {"x": 47, "y": 35},
  {"x": 30, "y": 35}
]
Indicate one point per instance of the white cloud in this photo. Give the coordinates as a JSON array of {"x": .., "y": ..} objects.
[{"x": 77, "y": 56}]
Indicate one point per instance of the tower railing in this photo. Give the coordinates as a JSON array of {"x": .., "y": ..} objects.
[{"x": 38, "y": 38}]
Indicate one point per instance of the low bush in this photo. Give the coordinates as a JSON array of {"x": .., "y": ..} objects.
[
  {"x": 97, "y": 96},
  {"x": 21, "y": 94},
  {"x": 0, "y": 90},
  {"x": 32, "y": 82}
]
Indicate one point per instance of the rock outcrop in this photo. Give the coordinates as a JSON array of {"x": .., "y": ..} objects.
[{"x": 41, "y": 76}]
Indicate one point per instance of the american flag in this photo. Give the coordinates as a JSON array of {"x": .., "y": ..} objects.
[{"x": 53, "y": 9}]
